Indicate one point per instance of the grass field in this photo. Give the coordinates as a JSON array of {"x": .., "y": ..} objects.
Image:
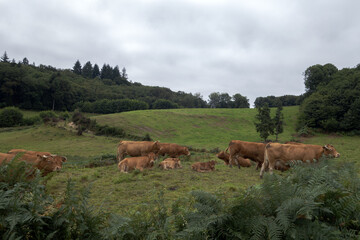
[{"x": 199, "y": 128}]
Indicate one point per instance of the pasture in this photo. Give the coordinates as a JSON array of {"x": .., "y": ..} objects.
[{"x": 205, "y": 130}]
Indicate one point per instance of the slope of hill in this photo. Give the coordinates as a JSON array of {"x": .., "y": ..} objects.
[{"x": 200, "y": 128}]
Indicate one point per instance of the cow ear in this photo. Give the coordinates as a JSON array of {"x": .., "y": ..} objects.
[{"x": 64, "y": 159}]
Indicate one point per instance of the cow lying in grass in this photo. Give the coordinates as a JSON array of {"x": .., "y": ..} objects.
[
  {"x": 32, "y": 156},
  {"x": 139, "y": 163},
  {"x": 204, "y": 166},
  {"x": 46, "y": 164},
  {"x": 170, "y": 163}
]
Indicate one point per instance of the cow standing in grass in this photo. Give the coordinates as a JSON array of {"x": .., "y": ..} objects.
[
  {"x": 275, "y": 152},
  {"x": 172, "y": 150},
  {"x": 223, "y": 155},
  {"x": 136, "y": 148}
]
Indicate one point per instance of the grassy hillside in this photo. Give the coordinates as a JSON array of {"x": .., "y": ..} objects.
[{"x": 200, "y": 128}]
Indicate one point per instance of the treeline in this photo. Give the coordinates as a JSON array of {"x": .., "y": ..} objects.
[
  {"x": 332, "y": 99},
  {"x": 272, "y": 101},
  {"x": 44, "y": 87}
]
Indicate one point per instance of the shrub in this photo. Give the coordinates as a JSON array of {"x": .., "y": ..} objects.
[
  {"x": 10, "y": 117},
  {"x": 164, "y": 104},
  {"x": 32, "y": 120},
  {"x": 48, "y": 116}
]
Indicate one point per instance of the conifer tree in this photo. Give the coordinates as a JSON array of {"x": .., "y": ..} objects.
[
  {"x": 265, "y": 126},
  {"x": 87, "y": 70},
  {"x": 77, "y": 68},
  {"x": 96, "y": 71},
  {"x": 278, "y": 121},
  {"x": 5, "y": 58}
]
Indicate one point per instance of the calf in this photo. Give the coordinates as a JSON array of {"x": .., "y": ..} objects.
[
  {"x": 140, "y": 163},
  {"x": 244, "y": 162},
  {"x": 204, "y": 166},
  {"x": 170, "y": 163}
]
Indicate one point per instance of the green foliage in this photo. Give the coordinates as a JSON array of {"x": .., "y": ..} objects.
[
  {"x": 223, "y": 100},
  {"x": 265, "y": 125},
  {"x": 333, "y": 105},
  {"x": 164, "y": 104},
  {"x": 112, "y": 106},
  {"x": 314, "y": 202},
  {"x": 272, "y": 101},
  {"x": 318, "y": 75},
  {"x": 10, "y": 117},
  {"x": 77, "y": 68}
]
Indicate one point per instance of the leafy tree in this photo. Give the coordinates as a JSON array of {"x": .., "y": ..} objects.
[
  {"x": 5, "y": 57},
  {"x": 265, "y": 125},
  {"x": 96, "y": 71},
  {"x": 278, "y": 122},
  {"x": 240, "y": 101},
  {"x": 87, "y": 70},
  {"x": 214, "y": 100},
  {"x": 318, "y": 74},
  {"x": 77, "y": 68}
]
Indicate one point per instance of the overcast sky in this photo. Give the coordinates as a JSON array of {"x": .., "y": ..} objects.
[{"x": 255, "y": 48}]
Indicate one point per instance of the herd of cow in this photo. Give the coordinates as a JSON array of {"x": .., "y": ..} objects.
[
  {"x": 239, "y": 153},
  {"x": 144, "y": 153}
]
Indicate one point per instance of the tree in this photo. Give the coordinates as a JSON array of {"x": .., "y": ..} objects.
[
  {"x": 96, "y": 71},
  {"x": 106, "y": 72},
  {"x": 318, "y": 74},
  {"x": 278, "y": 121},
  {"x": 25, "y": 61},
  {"x": 265, "y": 126},
  {"x": 77, "y": 68},
  {"x": 87, "y": 70},
  {"x": 214, "y": 100},
  {"x": 240, "y": 101},
  {"x": 115, "y": 72},
  {"x": 225, "y": 100},
  {"x": 5, "y": 58}
]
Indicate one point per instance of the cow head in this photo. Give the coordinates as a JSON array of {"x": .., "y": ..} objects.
[
  {"x": 329, "y": 150},
  {"x": 223, "y": 156},
  {"x": 47, "y": 164},
  {"x": 186, "y": 151}
]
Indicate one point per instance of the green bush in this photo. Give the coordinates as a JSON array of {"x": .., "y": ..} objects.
[
  {"x": 164, "y": 104},
  {"x": 10, "y": 117},
  {"x": 47, "y": 116},
  {"x": 32, "y": 120}
]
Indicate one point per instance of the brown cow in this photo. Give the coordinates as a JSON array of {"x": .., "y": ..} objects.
[
  {"x": 32, "y": 155},
  {"x": 287, "y": 152},
  {"x": 173, "y": 150},
  {"x": 136, "y": 148},
  {"x": 170, "y": 163},
  {"x": 204, "y": 166},
  {"x": 252, "y": 150},
  {"x": 223, "y": 155},
  {"x": 140, "y": 163},
  {"x": 45, "y": 164}
]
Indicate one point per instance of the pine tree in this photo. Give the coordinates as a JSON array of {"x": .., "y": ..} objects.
[
  {"x": 278, "y": 121},
  {"x": 87, "y": 70},
  {"x": 265, "y": 126},
  {"x": 96, "y": 71},
  {"x": 116, "y": 72},
  {"x": 25, "y": 61},
  {"x": 77, "y": 68},
  {"x": 5, "y": 58}
]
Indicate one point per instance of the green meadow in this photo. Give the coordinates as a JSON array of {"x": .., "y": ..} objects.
[{"x": 205, "y": 130}]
